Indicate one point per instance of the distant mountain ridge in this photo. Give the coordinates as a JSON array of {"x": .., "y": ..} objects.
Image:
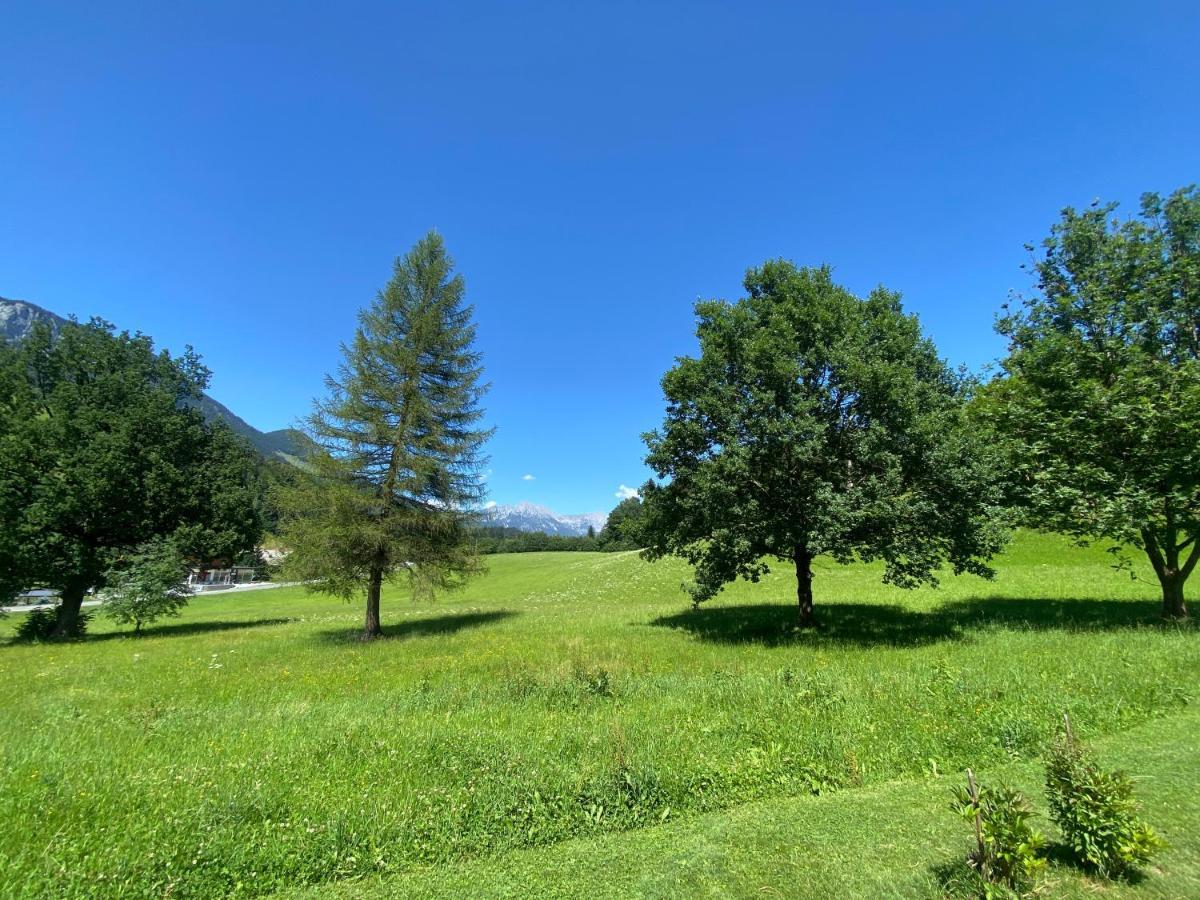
[
  {"x": 17, "y": 318},
  {"x": 532, "y": 517}
]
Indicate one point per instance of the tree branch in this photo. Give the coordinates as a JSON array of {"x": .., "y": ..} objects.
[
  {"x": 1192, "y": 559},
  {"x": 1150, "y": 544}
]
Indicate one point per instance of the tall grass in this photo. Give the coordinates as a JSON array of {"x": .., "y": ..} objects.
[{"x": 254, "y": 745}]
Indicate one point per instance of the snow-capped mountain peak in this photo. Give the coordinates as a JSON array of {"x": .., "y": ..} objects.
[{"x": 526, "y": 516}]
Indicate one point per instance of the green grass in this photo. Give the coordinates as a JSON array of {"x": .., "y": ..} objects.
[
  {"x": 524, "y": 724},
  {"x": 895, "y": 839}
]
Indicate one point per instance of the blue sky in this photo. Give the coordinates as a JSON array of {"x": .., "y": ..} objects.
[{"x": 240, "y": 176}]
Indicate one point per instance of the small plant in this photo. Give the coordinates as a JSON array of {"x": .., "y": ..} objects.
[
  {"x": 1096, "y": 811},
  {"x": 595, "y": 680},
  {"x": 39, "y": 625},
  {"x": 1007, "y": 852},
  {"x": 147, "y": 586}
]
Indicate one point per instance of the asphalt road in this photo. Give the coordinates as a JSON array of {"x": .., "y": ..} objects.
[{"x": 212, "y": 589}]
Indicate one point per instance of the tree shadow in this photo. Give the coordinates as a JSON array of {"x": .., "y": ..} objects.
[
  {"x": 427, "y": 627},
  {"x": 176, "y": 629},
  {"x": 182, "y": 629},
  {"x": 1061, "y": 856},
  {"x": 892, "y": 625},
  {"x": 772, "y": 625},
  {"x": 1041, "y": 613}
]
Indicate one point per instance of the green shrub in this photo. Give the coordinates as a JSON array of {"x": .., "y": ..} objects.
[
  {"x": 1096, "y": 811},
  {"x": 1007, "y": 853},
  {"x": 39, "y": 624},
  {"x": 148, "y": 585}
]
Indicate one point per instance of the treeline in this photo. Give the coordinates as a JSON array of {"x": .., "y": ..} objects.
[
  {"x": 620, "y": 532},
  {"x": 812, "y": 422}
]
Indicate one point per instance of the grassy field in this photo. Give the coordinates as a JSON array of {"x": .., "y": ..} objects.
[{"x": 568, "y": 726}]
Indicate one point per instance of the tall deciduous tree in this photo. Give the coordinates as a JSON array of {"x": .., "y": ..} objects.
[
  {"x": 399, "y": 468},
  {"x": 1099, "y": 397},
  {"x": 100, "y": 452},
  {"x": 814, "y": 422}
]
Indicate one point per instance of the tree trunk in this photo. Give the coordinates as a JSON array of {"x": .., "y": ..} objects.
[
  {"x": 1164, "y": 557},
  {"x": 804, "y": 595},
  {"x": 1172, "y": 589},
  {"x": 70, "y": 603},
  {"x": 374, "y": 586}
]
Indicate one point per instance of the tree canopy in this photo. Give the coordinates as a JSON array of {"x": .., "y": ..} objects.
[
  {"x": 100, "y": 453},
  {"x": 621, "y": 530},
  {"x": 814, "y": 422},
  {"x": 1098, "y": 403},
  {"x": 398, "y": 470}
]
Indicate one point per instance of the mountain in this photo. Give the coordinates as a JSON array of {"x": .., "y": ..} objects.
[
  {"x": 531, "y": 517},
  {"x": 17, "y": 318}
]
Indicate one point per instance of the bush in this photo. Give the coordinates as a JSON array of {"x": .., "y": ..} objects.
[
  {"x": 1096, "y": 811},
  {"x": 1007, "y": 847},
  {"x": 39, "y": 624}
]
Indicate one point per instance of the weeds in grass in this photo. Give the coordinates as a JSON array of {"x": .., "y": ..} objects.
[{"x": 39, "y": 624}]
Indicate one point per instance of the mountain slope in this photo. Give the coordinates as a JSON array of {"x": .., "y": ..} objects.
[
  {"x": 531, "y": 517},
  {"x": 17, "y": 318}
]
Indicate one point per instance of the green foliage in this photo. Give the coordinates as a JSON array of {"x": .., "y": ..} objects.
[
  {"x": 147, "y": 584},
  {"x": 1008, "y": 848},
  {"x": 100, "y": 452},
  {"x": 399, "y": 447},
  {"x": 622, "y": 530},
  {"x": 502, "y": 539},
  {"x": 816, "y": 423},
  {"x": 1098, "y": 405},
  {"x": 1096, "y": 811},
  {"x": 42, "y": 624}
]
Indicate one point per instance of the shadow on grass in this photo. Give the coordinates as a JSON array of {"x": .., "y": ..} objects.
[
  {"x": 957, "y": 878},
  {"x": 1060, "y": 856},
  {"x": 876, "y": 624},
  {"x": 839, "y": 623},
  {"x": 177, "y": 629},
  {"x": 182, "y": 629},
  {"x": 435, "y": 625}
]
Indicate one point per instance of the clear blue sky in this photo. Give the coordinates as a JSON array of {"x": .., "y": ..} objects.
[{"x": 239, "y": 176}]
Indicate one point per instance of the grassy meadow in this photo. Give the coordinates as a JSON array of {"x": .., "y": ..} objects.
[{"x": 568, "y": 726}]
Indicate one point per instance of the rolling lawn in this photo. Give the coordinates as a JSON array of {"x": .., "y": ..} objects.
[{"x": 568, "y": 726}]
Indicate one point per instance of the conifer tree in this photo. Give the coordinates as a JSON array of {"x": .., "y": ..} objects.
[{"x": 391, "y": 489}]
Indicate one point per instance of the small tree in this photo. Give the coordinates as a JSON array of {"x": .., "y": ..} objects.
[
  {"x": 813, "y": 423},
  {"x": 1099, "y": 400},
  {"x": 1096, "y": 811},
  {"x": 400, "y": 447},
  {"x": 147, "y": 585},
  {"x": 1007, "y": 846}
]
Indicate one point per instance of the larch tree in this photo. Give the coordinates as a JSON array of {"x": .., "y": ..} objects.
[
  {"x": 1098, "y": 403},
  {"x": 392, "y": 487},
  {"x": 816, "y": 423}
]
